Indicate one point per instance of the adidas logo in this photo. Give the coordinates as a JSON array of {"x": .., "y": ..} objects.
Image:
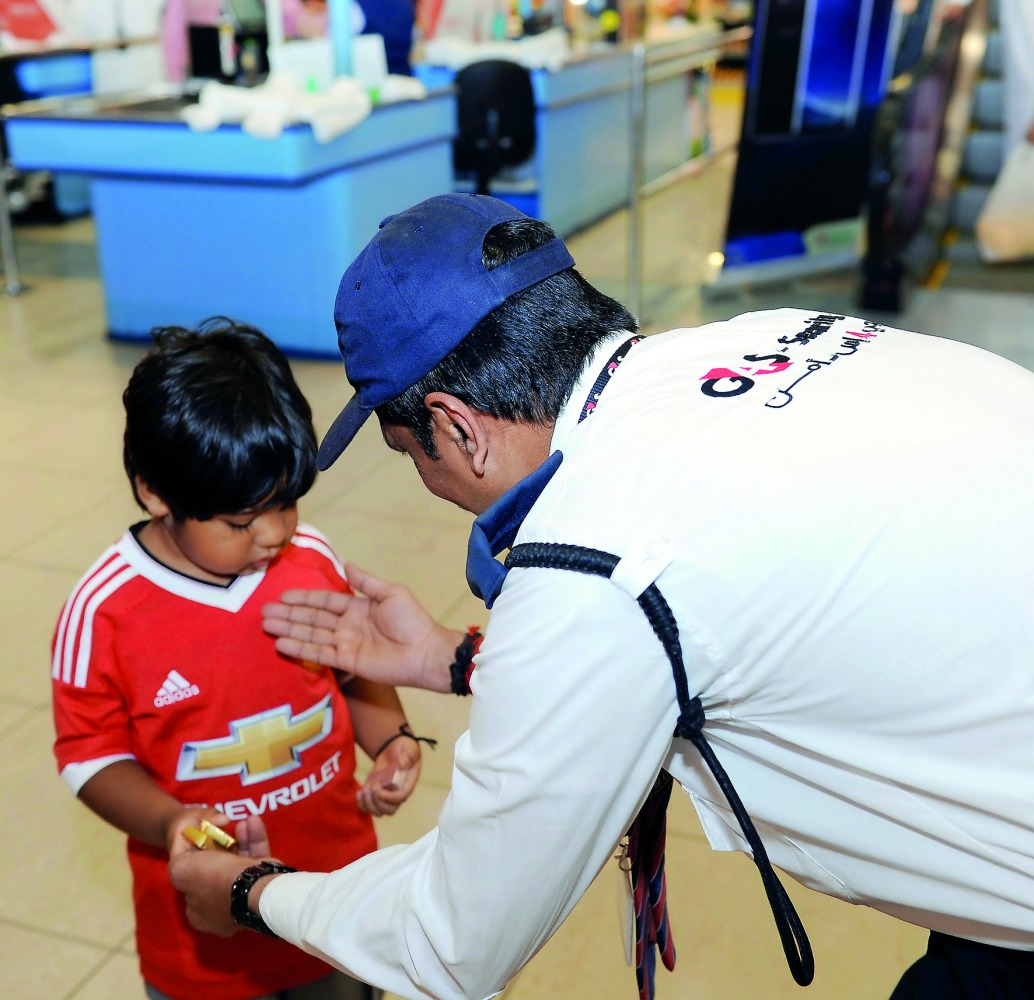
[{"x": 175, "y": 688}]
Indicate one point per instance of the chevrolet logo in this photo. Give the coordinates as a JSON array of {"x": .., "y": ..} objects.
[{"x": 259, "y": 747}]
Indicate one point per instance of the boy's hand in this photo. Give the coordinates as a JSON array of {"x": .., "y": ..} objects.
[{"x": 392, "y": 779}]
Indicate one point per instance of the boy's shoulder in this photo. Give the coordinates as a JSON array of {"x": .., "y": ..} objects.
[
  {"x": 309, "y": 546},
  {"x": 109, "y": 573}
]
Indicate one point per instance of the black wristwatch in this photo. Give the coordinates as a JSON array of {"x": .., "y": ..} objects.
[{"x": 241, "y": 888}]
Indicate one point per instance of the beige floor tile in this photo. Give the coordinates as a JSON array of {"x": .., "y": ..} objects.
[
  {"x": 729, "y": 948},
  {"x": 117, "y": 979},
  {"x": 28, "y": 626},
  {"x": 83, "y": 441},
  {"x": 70, "y": 875},
  {"x": 444, "y": 719},
  {"x": 393, "y": 488},
  {"x": 428, "y": 555},
  {"x": 75, "y": 539},
  {"x": 584, "y": 960},
  {"x": 417, "y": 816},
  {"x": 359, "y": 465},
  {"x": 726, "y": 942},
  {"x": 65, "y": 355},
  {"x": 36, "y": 503},
  {"x": 38, "y": 966}
]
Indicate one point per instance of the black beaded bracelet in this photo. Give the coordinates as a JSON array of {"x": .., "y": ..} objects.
[
  {"x": 459, "y": 671},
  {"x": 404, "y": 730}
]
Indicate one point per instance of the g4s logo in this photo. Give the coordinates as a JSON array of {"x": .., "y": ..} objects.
[{"x": 724, "y": 382}]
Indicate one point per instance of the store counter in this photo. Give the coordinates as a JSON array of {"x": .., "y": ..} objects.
[
  {"x": 195, "y": 224},
  {"x": 581, "y": 170}
]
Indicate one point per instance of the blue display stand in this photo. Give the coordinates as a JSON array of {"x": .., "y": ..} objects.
[
  {"x": 582, "y": 164},
  {"x": 191, "y": 225}
]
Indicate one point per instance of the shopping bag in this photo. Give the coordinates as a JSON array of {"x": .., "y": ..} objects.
[{"x": 1005, "y": 226}]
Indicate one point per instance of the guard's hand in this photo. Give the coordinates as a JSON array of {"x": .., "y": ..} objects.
[
  {"x": 252, "y": 839},
  {"x": 205, "y": 879},
  {"x": 192, "y": 816},
  {"x": 381, "y": 632}
]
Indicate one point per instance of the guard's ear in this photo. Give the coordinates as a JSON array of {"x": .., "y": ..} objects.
[
  {"x": 152, "y": 503},
  {"x": 457, "y": 425}
]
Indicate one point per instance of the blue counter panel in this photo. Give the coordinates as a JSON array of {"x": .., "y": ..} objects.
[
  {"x": 98, "y": 145},
  {"x": 583, "y": 151},
  {"x": 583, "y": 158},
  {"x": 191, "y": 225},
  {"x": 583, "y": 79}
]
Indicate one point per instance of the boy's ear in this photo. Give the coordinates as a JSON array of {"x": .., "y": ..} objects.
[{"x": 152, "y": 503}]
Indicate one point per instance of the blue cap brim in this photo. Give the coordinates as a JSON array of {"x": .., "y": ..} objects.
[{"x": 341, "y": 432}]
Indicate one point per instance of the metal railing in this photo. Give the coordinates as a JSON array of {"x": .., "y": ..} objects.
[
  {"x": 648, "y": 59},
  {"x": 8, "y": 254}
]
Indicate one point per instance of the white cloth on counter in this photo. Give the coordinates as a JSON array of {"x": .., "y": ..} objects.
[
  {"x": 549, "y": 50},
  {"x": 264, "y": 111}
]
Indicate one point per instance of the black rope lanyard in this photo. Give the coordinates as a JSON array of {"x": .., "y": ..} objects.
[{"x": 690, "y": 725}]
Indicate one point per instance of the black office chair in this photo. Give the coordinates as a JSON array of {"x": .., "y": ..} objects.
[{"x": 496, "y": 119}]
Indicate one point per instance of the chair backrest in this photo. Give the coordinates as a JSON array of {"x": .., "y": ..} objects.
[{"x": 496, "y": 119}]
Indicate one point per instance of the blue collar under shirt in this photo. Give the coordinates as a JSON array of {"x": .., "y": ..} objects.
[{"x": 496, "y": 528}]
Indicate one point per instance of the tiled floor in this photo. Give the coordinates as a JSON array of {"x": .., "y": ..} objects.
[{"x": 65, "y": 922}]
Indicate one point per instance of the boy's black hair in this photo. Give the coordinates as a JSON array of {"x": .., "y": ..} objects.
[
  {"x": 215, "y": 422},
  {"x": 522, "y": 360}
]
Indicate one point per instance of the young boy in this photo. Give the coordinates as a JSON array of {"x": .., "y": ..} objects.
[{"x": 172, "y": 705}]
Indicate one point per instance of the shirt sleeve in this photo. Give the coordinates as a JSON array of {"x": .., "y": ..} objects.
[
  {"x": 90, "y": 719},
  {"x": 309, "y": 539},
  {"x": 571, "y": 719}
]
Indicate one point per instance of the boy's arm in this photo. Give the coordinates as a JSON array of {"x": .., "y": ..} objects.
[
  {"x": 381, "y": 731},
  {"x": 376, "y": 713},
  {"x": 126, "y": 796}
]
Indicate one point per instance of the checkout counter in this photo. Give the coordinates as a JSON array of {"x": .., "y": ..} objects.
[
  {"x": 194, "y": 224},
  {"x": 583, "y": 164}
]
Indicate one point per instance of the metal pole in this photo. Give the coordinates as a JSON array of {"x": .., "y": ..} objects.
[
  {"x": 635, "y": 224},
  {"x": 12, "y": 285},
  {"x": 662, "y": 56}
]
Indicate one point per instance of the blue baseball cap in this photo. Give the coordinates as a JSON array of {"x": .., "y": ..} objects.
[{"x": 415, "y": 291}]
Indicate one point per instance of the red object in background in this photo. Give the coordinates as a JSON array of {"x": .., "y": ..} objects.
[
  {"x": 427, "y": 12},
  {"x": 26, "y": 19}
]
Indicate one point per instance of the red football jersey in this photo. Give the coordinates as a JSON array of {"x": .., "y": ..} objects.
[{"x": 178, "y": 675}]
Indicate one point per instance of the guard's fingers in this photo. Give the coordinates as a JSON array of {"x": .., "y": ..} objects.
[
  {"x": 304, "y": 616},
  {"x": 306, "y": 631},
  {"x": 325, "y": 656},
  {"x": 255, "y": 836},
  {"x": 367, "y": 584},
  {"x": 321, "y": 630},
  {"x": 321, "y": 600}
]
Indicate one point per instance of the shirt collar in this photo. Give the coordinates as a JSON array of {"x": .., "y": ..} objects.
[
  {"x": 496, "y": 528},
  {"x": 568, "y": 419}
]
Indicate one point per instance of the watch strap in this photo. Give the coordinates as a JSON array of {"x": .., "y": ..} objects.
[{"x": 241, "y": 889}]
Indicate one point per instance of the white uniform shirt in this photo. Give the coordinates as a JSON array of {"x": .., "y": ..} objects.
[{"x": 841, "y": 517}]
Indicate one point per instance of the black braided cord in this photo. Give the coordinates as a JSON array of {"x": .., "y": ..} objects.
[{"x": 548, "y": 555}]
